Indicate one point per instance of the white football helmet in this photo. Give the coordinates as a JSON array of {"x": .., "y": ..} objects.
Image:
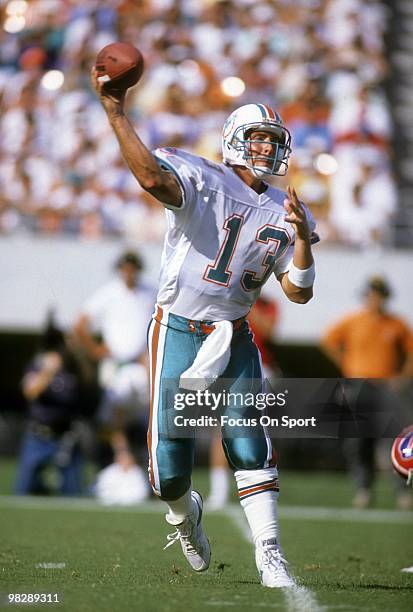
[{"x": 236, "y": 147}]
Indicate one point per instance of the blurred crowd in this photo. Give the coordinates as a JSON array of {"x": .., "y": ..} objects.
[{"x": 321, "y": 63}]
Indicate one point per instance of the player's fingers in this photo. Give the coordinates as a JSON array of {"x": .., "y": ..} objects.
[
  {"x": 94, "y": 78},
  {"x": 293, "y": 216},
  {"x": 288, "y": 207},
  {"x": 293, "y": 195},
  {"x": 98, "y": 83}
]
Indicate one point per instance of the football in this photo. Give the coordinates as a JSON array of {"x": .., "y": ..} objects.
[
  {"x": 402, "y": 454},
  {"x": 120, "y": 66}
]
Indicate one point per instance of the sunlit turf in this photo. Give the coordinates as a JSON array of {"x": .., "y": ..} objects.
[{"x": 113, "y": 560}]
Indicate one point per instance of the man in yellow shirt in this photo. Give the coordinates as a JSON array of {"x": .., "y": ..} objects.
[{"x": 370, "y": 343}]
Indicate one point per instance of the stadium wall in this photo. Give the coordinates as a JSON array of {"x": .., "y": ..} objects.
[{"x": 38, "y": 274}]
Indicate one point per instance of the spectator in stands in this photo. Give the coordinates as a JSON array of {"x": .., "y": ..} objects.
[
  {"x": 364, "y": 200},
  {"x": 60, "y": 388},
  {"x": 370, "y": 344},
  {"x": 288, "y": 51}
]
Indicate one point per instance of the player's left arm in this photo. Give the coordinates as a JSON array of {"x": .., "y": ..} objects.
[{"x": 297, "y": 283}]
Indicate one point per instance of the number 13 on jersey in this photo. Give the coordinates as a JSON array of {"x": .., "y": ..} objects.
[{"x": 219, "y": 272}]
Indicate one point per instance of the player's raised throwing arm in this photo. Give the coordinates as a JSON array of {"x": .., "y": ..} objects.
[
  {"x": 297, "y": 283},
  {"x": 162, "y": 185}
]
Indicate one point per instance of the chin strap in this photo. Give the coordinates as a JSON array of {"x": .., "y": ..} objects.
[{"x": 259, "y": 172}]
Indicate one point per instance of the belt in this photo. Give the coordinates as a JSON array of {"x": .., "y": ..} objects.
[{"x": 208, "y": 328}]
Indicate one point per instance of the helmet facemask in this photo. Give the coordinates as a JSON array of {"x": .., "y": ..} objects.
[{"x": 277, "y": 162}]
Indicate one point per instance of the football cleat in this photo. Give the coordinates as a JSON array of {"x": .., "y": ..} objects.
[
  {"x": 194, "y": 543},
  {"x": 271, "y": 565}
]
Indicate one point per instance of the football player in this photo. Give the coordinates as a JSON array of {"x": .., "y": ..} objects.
[{"x": 228, "y": 231}]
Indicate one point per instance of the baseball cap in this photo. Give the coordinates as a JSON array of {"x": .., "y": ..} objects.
[{"x": 380, "y": 285}]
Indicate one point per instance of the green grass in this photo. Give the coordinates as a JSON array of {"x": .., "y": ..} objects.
[{"x": 114, "y": 561}]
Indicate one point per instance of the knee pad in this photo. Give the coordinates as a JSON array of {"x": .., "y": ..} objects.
[
  {"x": 172, "y": 487},
  {"x": 171, "y": 468},
  {"x": 246, "y": 454}
]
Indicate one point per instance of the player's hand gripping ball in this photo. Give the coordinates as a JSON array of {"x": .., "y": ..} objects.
[
  {"x": 402, "y": 454},
  {"x": 119, "y": 66}
]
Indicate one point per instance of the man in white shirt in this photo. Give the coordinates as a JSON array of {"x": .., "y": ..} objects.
[
  {"x": 120, "y": 312},
  {"x": 228, "y": 231}
]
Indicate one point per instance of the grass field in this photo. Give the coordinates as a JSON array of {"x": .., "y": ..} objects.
[{"x": 112, "y": 559}]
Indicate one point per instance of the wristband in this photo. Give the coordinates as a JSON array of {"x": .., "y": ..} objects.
[{"x": 301, "y": 278}]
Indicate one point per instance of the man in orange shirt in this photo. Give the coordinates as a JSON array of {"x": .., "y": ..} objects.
[{"x": 370, "y": 343}]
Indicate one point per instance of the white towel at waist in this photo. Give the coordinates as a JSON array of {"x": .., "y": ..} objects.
[{"x": 211, "y": 360}]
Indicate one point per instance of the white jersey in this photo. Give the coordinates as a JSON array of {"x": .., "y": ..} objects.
[
  {"x": 121, "y": 315},
  {"x": 223, "y": 243}
]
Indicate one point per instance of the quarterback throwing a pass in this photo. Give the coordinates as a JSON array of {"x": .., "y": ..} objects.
[{"x": 228, "y": 231}]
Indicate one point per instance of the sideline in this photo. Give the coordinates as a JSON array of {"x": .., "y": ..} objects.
[{"x": 315, "y": 513}]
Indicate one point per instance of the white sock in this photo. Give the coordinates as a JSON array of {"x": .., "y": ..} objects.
[
  {"x": 180, "y": 508},
  {"x": 219, "y": 481},
  {"x": 258, "y": 491}
]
